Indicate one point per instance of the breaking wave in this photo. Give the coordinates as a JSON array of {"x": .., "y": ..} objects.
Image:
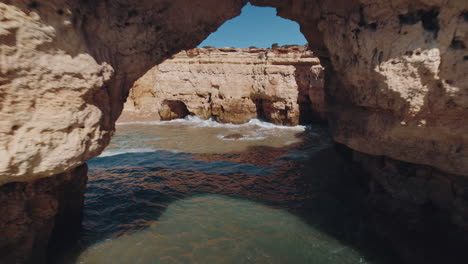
[
  {"x": 195, "y": 121},
  {"x": 113, "y": 152}
]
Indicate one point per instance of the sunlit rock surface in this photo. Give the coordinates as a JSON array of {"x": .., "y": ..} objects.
[
  {"x": 66, "y": 68},
  {"x": 395, "y": 82},
  {"x": 282, "y": 85},
  {"x": 396, "y": 75}
]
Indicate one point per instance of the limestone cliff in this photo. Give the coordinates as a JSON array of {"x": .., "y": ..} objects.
[
  {"x": 395, "y": 73},
  {"x": 282, "y": 85},
  {"x": 395, "y": 80}
]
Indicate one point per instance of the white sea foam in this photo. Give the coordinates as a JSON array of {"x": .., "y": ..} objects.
[
  {"x": 140, "y": 123},
  {"x": 114, "y": 152},
  {"x": 267, "y": 125},
  {"x": 245, "y": 137},
  {"x": 195, "y": 121}
]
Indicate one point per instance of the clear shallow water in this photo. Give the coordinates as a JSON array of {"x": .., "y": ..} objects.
[
  {"x": 179, "y": 192},
  {"x": 227, "y": 230}
]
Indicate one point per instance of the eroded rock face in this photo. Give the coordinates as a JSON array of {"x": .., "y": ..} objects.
[
  {"x": 396, "y": 75},
  {"x": 66, "y": 68},
  {"x": 31, "y": 212},
  {"x": 395, "y": 83},
  {"x": 396, "y": 72},
  {"x": 420, "y": 211},
  {"x": 280, "y": 85},
  {"x": 48, "y": 123}
]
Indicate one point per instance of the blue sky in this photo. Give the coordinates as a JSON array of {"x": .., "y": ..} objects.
[{"x": 256, "y": 26}]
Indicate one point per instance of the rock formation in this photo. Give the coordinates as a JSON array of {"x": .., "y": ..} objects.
[
  {"x": 32, "y": 212},
  {"x": 280, "y": 85},
  {"x": 395, "y": 80},
  {"x": 395, "y": 84}
]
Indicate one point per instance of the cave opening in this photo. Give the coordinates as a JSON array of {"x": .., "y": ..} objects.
[
  {"x": 258, "y": 27},
  {"x": 255, "y": 66},
  {"x": 169, "y": 154},
  {"x": 173, "y": 109},
  {"x": 219, "y": 128}
]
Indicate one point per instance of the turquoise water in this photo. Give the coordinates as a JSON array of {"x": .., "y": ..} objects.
[
  {"x": 180, "y": 192},
  {"x": 219, "y": 229}
]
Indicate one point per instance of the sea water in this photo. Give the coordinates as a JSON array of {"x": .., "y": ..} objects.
[{"x": 184, "y": 191}]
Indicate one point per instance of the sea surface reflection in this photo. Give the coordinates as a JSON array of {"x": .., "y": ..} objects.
[{"x": 283, "y": 196}]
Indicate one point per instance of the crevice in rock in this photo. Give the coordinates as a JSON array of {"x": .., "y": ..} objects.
[
  {"x": 428, "y": 18},
  {"x": 34, "y": 4},
  {"x": 259, "y": 108},
  {"x": 362, "y": 20},
  {"x": 457, "y": 44},
  {"x": 430, "y": 21},
  {"x": 464, "y": 15}
]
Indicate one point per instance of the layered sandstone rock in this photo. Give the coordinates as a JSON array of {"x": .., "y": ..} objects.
[{"x": 282, "y": 85}]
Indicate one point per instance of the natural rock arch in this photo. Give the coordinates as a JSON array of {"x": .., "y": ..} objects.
[
  {"x": 395, "y": 74},
  {"x": 396, "y": 81}
]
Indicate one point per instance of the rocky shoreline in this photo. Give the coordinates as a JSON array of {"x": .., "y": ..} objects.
[{"x": 282, "y": 85}]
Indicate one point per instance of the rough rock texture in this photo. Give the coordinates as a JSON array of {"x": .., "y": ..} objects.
[
  {"x": 421, "y": 211},
  {"x": 396, "y": 75},
  {"x": 32, "y": 212},
  {"x": 66, "y": 68},
  {"x": 48, "y": 122},
  {"x": 281, "y": 85},
  {"x": 395, "y": 80}
]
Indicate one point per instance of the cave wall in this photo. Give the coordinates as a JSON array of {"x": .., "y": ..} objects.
[
  {"x": 33, "y": 212},
  {"x": 395, "y": 70}
]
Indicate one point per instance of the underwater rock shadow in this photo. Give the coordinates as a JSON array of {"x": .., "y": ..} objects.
[{"x": 129, "y": 192}]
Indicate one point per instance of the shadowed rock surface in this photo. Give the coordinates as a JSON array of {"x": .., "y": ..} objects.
[{"x": 32, "y": 212}]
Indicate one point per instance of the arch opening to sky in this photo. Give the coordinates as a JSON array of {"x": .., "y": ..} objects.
[{"x": 258, "y": 27}]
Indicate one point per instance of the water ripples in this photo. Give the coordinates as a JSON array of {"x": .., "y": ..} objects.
[{"x": 262, "y": 204}]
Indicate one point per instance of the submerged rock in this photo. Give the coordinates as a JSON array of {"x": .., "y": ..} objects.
[{"x": 234, "y": 136}]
